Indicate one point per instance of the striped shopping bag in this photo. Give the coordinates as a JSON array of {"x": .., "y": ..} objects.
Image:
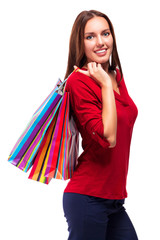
[
  {"x": 34, "y": 148},
  {"x": 57, "y": 156}
]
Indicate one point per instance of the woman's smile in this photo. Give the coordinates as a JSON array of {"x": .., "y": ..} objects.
[{"x": 101, "y": 52}]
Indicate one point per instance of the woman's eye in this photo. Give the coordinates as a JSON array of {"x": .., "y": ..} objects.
[
  {"x": 105, "y": 34},
  {"x": 89, "y": 37}
]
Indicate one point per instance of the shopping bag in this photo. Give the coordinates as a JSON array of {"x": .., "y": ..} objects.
[
  {"x": 24, "y": 151},
  {"x": 57, "y": 157},
  {"x": 35, "y": 146}
]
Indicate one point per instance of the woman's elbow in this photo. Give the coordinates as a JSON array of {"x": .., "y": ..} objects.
[{"x": 112, "y": 141}]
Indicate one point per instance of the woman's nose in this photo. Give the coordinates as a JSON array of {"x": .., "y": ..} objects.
[{"x": 100, "y": 41}]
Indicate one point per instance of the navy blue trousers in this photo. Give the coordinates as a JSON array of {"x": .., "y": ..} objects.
[{"x": 94, "y": 218}]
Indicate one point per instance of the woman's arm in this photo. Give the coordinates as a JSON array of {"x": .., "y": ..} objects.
[{"x": 109, "y": 114}]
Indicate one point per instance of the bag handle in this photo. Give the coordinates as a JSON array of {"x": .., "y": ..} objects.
[{"x": 65, "y": 80}]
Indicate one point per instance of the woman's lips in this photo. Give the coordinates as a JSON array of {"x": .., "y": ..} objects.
[{"x": 101, "y": 52}]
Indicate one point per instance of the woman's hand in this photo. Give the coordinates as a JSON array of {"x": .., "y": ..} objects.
[{"x": 96, "y": 72}]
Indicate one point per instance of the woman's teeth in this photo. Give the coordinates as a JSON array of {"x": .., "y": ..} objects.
[{"x": 101, "y": 51}]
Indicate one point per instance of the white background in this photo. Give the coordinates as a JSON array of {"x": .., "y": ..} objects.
[{"x": 34, "y": 39}]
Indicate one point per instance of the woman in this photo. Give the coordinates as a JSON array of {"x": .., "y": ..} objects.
[{"x": 104, "y": 114}]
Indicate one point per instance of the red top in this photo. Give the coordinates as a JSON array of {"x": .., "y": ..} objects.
[{"x": 101, "y": 171}]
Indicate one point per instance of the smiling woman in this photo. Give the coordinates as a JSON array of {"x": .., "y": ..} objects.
[
  {"x": 104, "y": 114},
  {"x": 81, "y": 31}
]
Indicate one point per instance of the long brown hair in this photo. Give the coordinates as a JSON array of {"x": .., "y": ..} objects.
[{"x": 76, "y": 54}]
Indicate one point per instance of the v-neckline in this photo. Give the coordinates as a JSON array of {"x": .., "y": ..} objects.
[{"x": 117, "y": 92}]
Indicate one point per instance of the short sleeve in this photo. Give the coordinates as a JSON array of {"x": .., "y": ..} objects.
[{"x": 87, "y": 108}]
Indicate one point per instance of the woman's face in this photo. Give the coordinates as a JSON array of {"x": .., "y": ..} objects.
[{"x": 98, "y": 41}]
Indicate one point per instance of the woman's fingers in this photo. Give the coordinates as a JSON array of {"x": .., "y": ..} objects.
[
  {"x": 92, "y": 71},
  {"x": 96, "y": 72},
  {"x": 95, "y": 66},
  {"x": 90, "y": 68},
  {"x": 99, "y": 66}
]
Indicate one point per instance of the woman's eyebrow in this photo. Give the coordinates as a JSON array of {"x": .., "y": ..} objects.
[{"x": 93, "y": 32}]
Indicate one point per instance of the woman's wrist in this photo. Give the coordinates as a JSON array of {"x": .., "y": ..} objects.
[{"x": 107, "y": 84}]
